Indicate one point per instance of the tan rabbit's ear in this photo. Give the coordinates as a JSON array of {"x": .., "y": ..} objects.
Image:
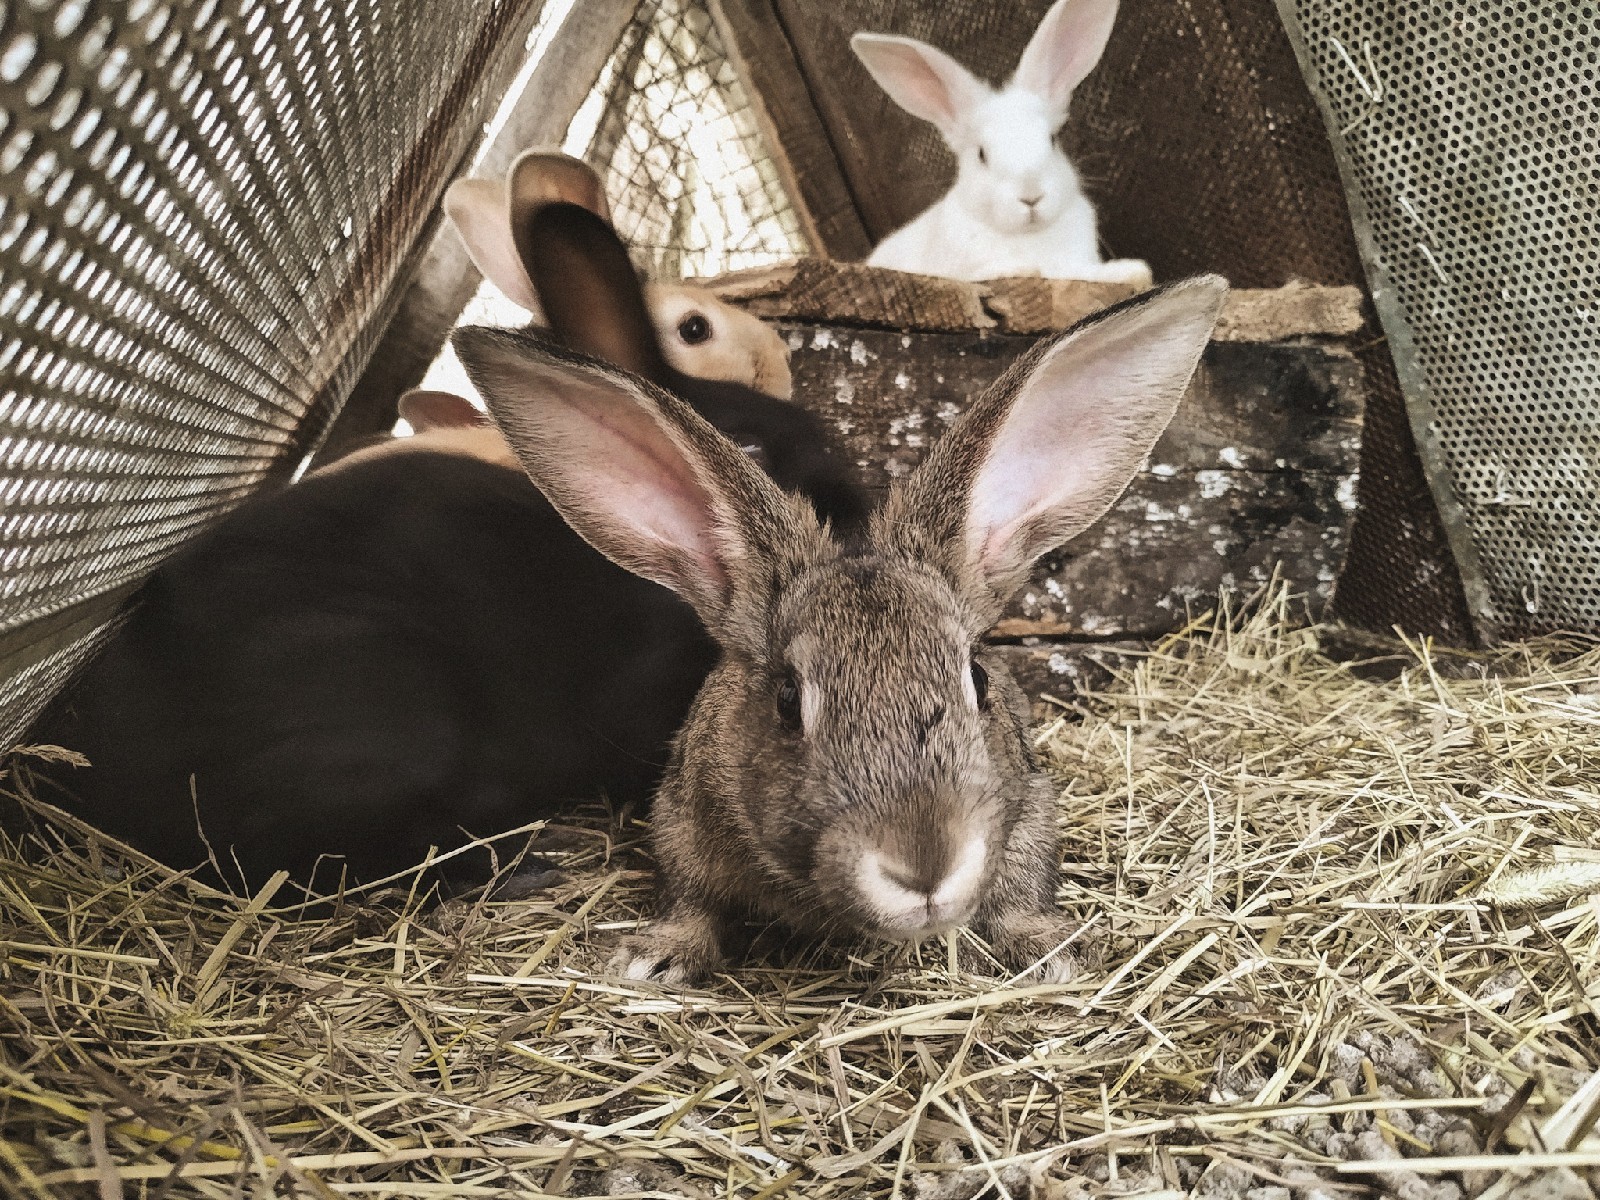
[
  {"x": 1064, "y": 49},
  {"x": 551, "y": 176},
  {"x": 921, "y": 79},
  {"x": 1042, "y": 454},
  {"x": 424, "y": 409},
  {"x": 642, "y": 478},
  {"x": 477, "y": 208}
]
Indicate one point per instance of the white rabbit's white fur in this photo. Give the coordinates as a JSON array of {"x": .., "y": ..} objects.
[{"x": 1016, "y": 207}]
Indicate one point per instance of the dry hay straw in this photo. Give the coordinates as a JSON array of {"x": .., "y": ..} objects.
[{"x": 1339, "y": 931}]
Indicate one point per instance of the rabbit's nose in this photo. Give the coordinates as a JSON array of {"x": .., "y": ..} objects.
[
  {"x": 1032, "y": 201},
  {"x": 929, "y": 891}
]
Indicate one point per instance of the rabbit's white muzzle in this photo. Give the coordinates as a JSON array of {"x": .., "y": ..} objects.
[{"x": 913, "y": 904}]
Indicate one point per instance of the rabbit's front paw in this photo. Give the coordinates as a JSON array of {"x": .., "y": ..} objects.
[
  {"x": 673, "y": 952},
  {"x": 1037, "y": 944},
  {"x": 1132, "y": 271}
]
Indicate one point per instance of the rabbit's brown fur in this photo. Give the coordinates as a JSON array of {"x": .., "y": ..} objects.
[{"x": 856, "y": 760}]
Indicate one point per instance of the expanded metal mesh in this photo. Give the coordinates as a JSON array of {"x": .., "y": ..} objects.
[
  {"x": 1468, "y": 137},
  {"x": 203, "y": 204},
  {"x": 692, "y": 184}
]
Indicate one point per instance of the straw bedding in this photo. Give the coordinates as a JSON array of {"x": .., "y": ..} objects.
[{"x": 1339, "y": 940}]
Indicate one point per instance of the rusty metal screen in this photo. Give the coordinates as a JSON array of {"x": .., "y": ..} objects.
[
  {"x": 204, "y": 205},
  {"x": 1467, "y": 138}
]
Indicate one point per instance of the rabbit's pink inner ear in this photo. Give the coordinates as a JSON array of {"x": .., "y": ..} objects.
[
  {"x": 477, "y": 208},
  {"x": 1065, "y": 48},
  {"x": 598, "y": 448},
  {"x": 1078, "y": 424},
  {"x": 924, "y": 81},
  {"x": 423, "y": 410}
]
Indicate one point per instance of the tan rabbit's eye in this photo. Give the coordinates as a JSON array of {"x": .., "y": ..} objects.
[
  {"x": 980, "y": 683},
  {"x": 694, "y": 329},
  {"x": 789, "y": 701}
]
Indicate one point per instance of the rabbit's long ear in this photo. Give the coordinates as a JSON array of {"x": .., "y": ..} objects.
[
  {"x": 641, "y": 477},
  {"x": 1064, "y": 49},
  {"x": 1042, "y": 454},
  {"x": 477, "y": 208},
  {"x": 590, "y": 292},
  {"x": 547, "y": 176},
  {"x": 424, "y": 409},
  {"x": 924, "y": 81}
]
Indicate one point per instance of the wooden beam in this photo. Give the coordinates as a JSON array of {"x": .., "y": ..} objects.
[
  {"x": 1256, "y": 473},
  {"x": 787, "y": 113},
  {"x": 835, "y": 293},
  {"x": 444, "y": 278}
]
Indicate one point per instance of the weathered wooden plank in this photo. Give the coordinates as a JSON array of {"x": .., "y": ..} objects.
[
  {"x": 759, "y": 47},
  {"x": 1258, "y": 469},
  {"x": 835, "y": 293},
  {"x": 1057, "y": 673},
  {"x": 445, "y": 279}
]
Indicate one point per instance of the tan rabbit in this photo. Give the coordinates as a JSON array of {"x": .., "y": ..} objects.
[
  {"x": 700, "y": 334},
  {"x": 857, "y": 760}
]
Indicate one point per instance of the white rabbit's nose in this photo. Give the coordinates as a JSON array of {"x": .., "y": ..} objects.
[
  {"x": 913, "y": 900},
  {"x": 1031, "y": 201}
]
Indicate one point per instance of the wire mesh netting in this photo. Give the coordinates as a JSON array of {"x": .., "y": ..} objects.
[
  {"x": 203, "y": 204},
  {"x": 1468, "y": 136}
]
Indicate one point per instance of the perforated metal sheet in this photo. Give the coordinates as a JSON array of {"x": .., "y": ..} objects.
[
  {"x": 1467, "y": 136},
  {"x": 203, "y": 205}
]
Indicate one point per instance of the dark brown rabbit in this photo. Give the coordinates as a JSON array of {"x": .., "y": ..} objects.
[
  {"x": 412, "y": 648},
  {"x": 856, "y": 759}
]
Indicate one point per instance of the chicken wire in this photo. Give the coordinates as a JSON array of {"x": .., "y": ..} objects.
[
  {"x": 693, "y": 187},
  {"x": 203, "y": 206},
  {"x": 1467, "y": 136}
]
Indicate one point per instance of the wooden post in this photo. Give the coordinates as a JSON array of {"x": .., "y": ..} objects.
[{"x": 808, "y": 163}]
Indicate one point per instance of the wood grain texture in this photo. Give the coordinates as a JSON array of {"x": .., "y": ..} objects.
[
  {"x": 854, "y": 294},
  {"x": 1257, "y": 469},
  {"x": 786, "y": 110}
]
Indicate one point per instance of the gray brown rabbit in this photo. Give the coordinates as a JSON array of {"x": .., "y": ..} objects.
[{"x": 856, "y": 759}]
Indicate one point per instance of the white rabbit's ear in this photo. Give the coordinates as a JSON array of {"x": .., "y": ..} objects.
[
  {"x": 1047, "y": 449},
  {"x": 477, "y": 208},
  {"x": 1064, "y": 49},
  {"x": 926, "y": 82}
]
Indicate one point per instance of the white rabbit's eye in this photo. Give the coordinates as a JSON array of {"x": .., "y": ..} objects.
[
  {"x": 789, "y": 701},
  {"x": 980, "y": 683},
  {"x": 983, "y": 156},
  {"x": 694, "y": 329}
]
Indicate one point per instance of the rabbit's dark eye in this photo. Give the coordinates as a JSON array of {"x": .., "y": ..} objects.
[
  {"x": 694, "y": 329},
  {"x": 789, "y": 701},
  {"x": 980, "y": 683},
  {"x": 983, "y": 156}
]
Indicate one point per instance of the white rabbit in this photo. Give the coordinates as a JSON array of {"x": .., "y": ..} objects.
[
  {"x": 1016, "y": 207},
  {"x": 700, "y": 334}
]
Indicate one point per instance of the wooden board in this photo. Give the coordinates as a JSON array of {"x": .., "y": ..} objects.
[
  {"x": 1257, "y": 470},
  {"x": 836, "y": 293},
  {"x": 792, "y": 127}
]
